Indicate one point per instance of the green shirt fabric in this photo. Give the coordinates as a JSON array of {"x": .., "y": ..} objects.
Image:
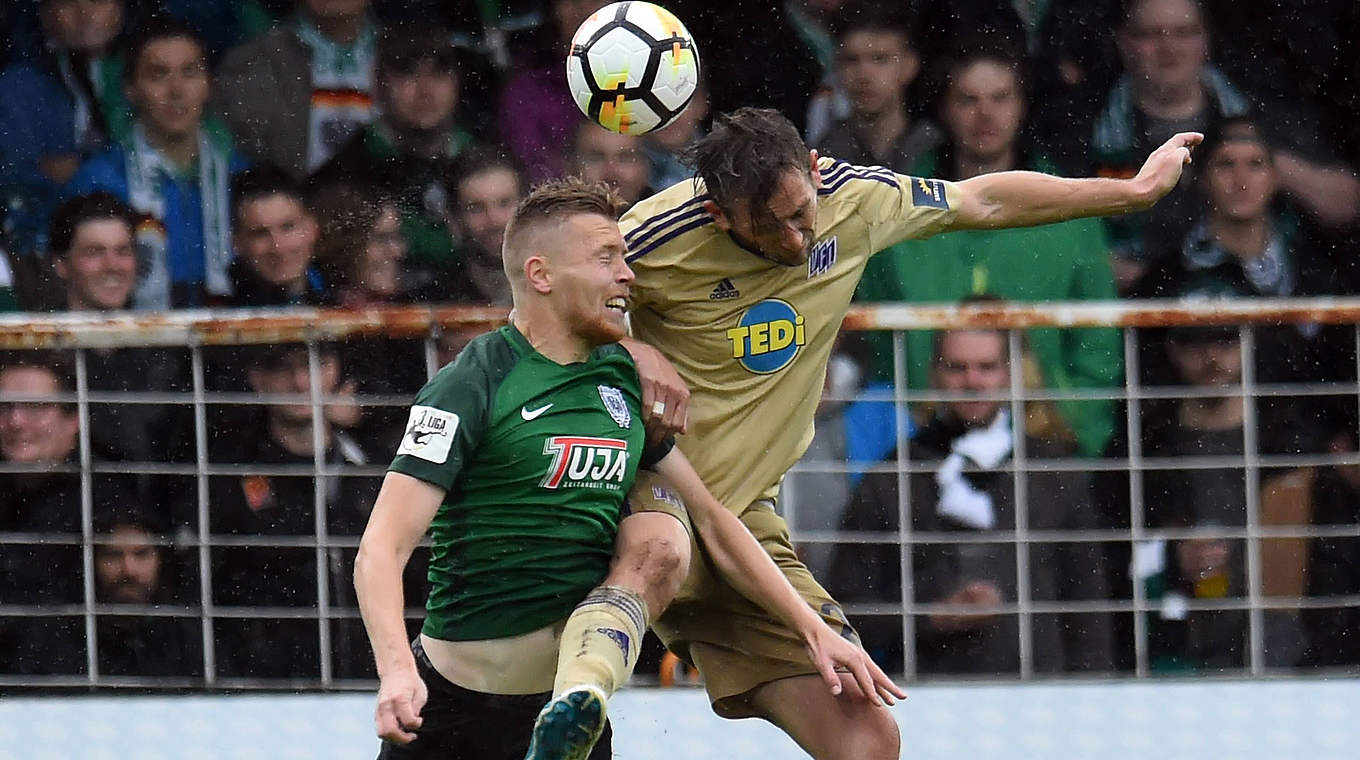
[
  {"x": 1057, "y": 262},
  {"x": 536, "y": 459}
]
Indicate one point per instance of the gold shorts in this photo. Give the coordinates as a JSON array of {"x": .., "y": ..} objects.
[{"x": 734, "y": 643}]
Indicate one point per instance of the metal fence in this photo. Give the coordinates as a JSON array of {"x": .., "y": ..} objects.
[{"x": 198, "y": 333}]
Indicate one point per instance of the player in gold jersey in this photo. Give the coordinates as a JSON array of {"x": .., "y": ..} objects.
[{"x": 743, "y": 277}]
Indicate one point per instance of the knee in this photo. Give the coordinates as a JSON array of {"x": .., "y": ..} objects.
[
  {"x": 661, "y": 560},
  {"x": 876, "y": 738}
]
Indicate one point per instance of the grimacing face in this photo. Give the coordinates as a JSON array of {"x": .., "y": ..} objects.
[
  {"x": 785, "y": 232},
  {"x": 590, "y": 277}
]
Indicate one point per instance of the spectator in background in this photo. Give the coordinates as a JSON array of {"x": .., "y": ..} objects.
[
  {"x": 281, "y": 435},
  {"x": 410, "y": 151},
  {"x": 877, "y": 59},
  {"x": 295, "y": 95},
  {"x": 537, "y": 114},
  {"x": 1169, "y": 86},
  {"x": 361, "y": 253},
  {"x": 982, "y": 109},
  {"x": 1249, "y": 236},
  {"x": 664, "y": 147},
  {"x": 41, "y": 435},
  {"x": 276, "y": 238},
  {"x": 973, "y": 492},
  {"x": 174, "y": 168},
  {"x": 1205, "y": 569},
  {"x": 132, "y": 567},
  {"x": 601, "y": 155},
  {"x": 59, "y": 108},
  {"x": 95, "y": 262},
  {"x": 486, "y": 189}
]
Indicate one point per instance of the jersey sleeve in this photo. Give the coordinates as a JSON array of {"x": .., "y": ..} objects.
[
  {"x": 446, "y": 423},
  {"x": 895, "y": 207}
]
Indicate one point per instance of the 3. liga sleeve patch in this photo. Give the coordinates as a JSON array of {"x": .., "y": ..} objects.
[
  {"x": 928, "y": 192},
  {"x": 429, "y": 434}
]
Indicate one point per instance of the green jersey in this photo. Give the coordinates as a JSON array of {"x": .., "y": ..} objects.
[{"x": 535, "y": 458}]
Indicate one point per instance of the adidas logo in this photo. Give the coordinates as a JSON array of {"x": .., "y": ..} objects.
[{"x": 724, "y": 291}]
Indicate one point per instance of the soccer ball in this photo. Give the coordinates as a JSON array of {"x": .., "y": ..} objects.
[{"x": 632, "y": 67}]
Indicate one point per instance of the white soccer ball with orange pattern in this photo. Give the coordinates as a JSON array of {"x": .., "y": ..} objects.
[{"x": 632, "y": 67}]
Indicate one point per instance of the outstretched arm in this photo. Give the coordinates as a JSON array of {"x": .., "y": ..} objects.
[
  {"x": 401, "y": 515},
  {"x": 1025, "y": 199},
  {"x": 745, "y": 565}
]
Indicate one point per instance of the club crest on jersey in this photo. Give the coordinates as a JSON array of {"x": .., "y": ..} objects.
[
  {"x": 580, "y": 461},
  {"x": 615, "y": 405},
  {"x": 768, "y": 336},
  {"x": 823, "y": 257}
]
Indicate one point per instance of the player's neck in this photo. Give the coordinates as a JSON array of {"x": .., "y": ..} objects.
[
  {"x": 550, "y": 335},
  {"x": 1244, "y": 238},
  {"x": 878, "y": 132},
  {"x": 972, "y": 164}
]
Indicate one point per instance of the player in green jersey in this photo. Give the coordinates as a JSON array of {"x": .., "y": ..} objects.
[{"x": 517, "y": 459}]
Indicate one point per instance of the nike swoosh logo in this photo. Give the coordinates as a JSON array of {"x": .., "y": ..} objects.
[{"x": 529, "y": 414}]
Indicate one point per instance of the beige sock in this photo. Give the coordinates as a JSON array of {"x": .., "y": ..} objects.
[{"x": 601, "y": 640}]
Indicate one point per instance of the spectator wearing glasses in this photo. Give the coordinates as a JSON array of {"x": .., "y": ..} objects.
[
  {"x": 295, "y": 95},
  {"x": 42, "y": 437}
]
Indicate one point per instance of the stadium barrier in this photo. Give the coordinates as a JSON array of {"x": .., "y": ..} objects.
[{"x": 198, "y": 331}]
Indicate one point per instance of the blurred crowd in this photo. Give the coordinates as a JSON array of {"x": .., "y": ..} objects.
[{"x": 349, "y": 153}]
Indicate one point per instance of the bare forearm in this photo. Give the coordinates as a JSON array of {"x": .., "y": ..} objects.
[
  {"x": 1025, "y": 199},
  {"x": 736, "y": 553},
  {"x": 377, "y": 583}
]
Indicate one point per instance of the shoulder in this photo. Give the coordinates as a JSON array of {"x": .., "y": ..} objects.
[
  {"x": 663, "y": 217},
  {"x": 486, "y": 355},
  {"x": 843, "y": 180},
  {"x": 105, "y": 170}
]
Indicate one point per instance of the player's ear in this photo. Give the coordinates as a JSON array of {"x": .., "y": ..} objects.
[
  {"x": 816, "y": 172},
  {"x": 537, "y": 274},
  {"x": 719, "y": 218}
]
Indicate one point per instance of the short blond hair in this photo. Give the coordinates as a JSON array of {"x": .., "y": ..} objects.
[{"x": 554, "y": 201}]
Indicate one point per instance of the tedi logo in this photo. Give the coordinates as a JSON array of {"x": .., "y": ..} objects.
[
  {"x": 767, "y": 336},
  {"x": 585, "y": 462}
]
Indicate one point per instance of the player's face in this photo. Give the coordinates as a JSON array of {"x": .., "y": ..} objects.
[
  {"x": 170, "y": 86},
  {"x": 1240, "y": 180},
  {"x": 422, "y": 99},
  {"x": 1164, "y": 44},
  {"x": 128, "y": 567},
  {"x": 277, "y": 238},
  {"x": 983, "y": 108},
  {"x": 590, "y": 284},
  {"x": 875, "y": 67},
  {"x": 786, "y": 231},
  {"x": 483, "y": 206},
  {"x": 613, "y": 158},
  {"x": 973, "y": 361},
  {"x": 35, "y": 431},
  {"x": 100, "y": 269}
]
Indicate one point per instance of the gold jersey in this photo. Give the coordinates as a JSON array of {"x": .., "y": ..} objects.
[{"x": 751, "y": 337}]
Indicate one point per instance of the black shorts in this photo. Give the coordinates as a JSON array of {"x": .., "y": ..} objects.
[{"x": 461, "y": 724}]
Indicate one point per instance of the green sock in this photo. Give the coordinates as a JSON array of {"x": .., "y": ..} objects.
[{"x": 601, "y": 640}]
